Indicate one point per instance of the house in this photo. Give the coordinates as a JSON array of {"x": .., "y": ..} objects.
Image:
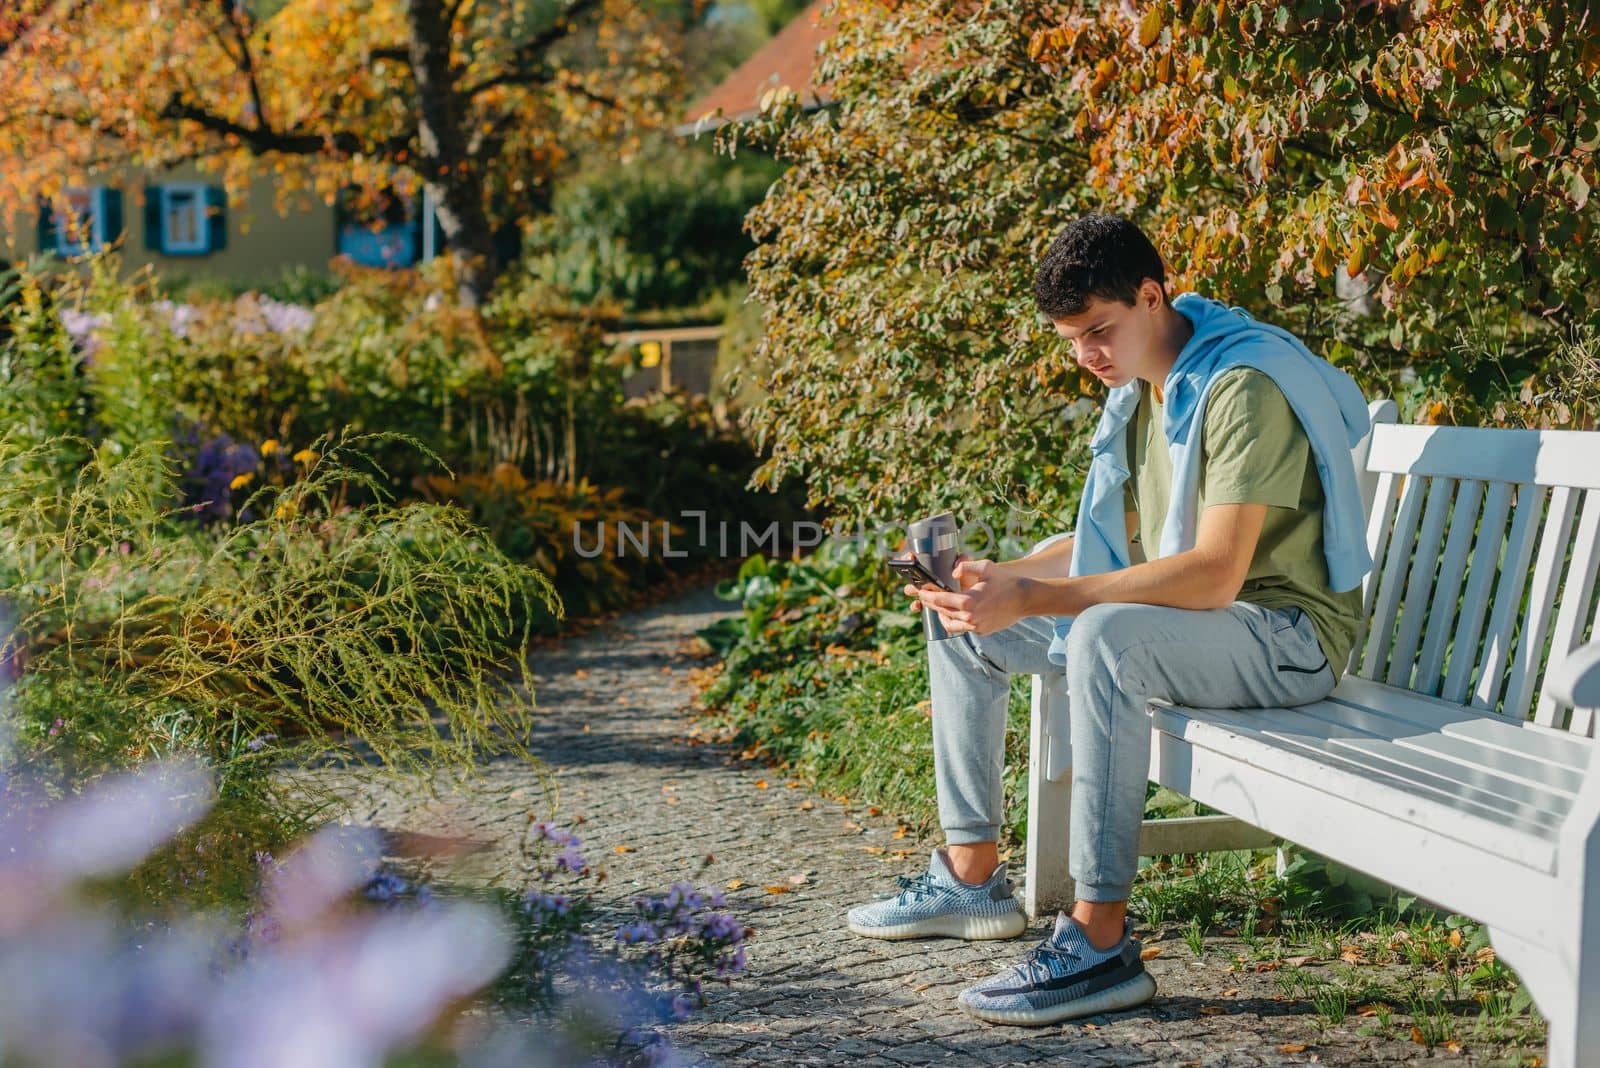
[
  {"x": 787, "y": 60},
  {"x": 181, "y": 223}
]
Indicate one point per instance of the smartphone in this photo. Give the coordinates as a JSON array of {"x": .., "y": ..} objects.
[{"x": 911, "y": 569}]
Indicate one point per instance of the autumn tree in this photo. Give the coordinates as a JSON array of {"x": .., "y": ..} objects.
[
  {"x": 1385, "y": 178},
  {"x": 475, "y": 101}
]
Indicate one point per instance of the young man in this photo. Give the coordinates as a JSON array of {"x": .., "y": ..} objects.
[{"x": 1224, "y": 448}]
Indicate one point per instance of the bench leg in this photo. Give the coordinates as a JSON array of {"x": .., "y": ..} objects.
[
  {"x": 1566, "y": 988},
  {"x": 1048, "y": 884}
]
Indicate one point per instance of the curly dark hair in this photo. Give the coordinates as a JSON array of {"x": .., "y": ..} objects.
[{"x": 1100, "y": 255}]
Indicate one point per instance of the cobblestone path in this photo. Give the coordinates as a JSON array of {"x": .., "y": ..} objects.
[{"x": 610, "y": 727}]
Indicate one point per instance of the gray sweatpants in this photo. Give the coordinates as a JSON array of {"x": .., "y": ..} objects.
[{"x": 1119, "y": 656}]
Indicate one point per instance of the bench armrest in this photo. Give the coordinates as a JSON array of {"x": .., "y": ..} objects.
[
  {"x": 1046, "y": 543},
  {"x": 1575, "y": 680}
]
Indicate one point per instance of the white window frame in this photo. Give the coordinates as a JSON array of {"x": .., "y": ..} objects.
[
  {"x": 202, "y": 220},
  {"x": 65, "y": 244}
]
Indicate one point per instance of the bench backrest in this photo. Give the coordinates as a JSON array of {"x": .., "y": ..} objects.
[{"x": 1485, "y": 545}]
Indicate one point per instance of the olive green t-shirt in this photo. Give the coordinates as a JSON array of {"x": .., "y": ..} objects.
[{"x": 1253, "y": 451}]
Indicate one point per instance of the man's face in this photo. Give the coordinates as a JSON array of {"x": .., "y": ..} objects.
[{"x": 1114, "y": 341}]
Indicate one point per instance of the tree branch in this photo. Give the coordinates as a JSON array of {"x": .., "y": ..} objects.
[
  {"x": 262, "y": 139},
  {"x": 532, "y": 50}
]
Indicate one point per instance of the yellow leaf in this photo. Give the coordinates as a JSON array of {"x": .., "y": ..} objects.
[
  {"x": 775, "y": 889},
  {"x": 901, "y": 831},
  {"x": 625, "y": 849},
  {"x": 735, "y": 884},
  {"x": 1150, "y": 953},
  {"x": 1455, "y": 938},
  {"x": 1292, "y": 1047},
  {"x": 807, "y": 806},
  {"x": 1418, "y": 1037},
  {"x": 761, "y": 784},
  {"x": 1150, "y": 27},
  {"x": 1356, "y": 262}
]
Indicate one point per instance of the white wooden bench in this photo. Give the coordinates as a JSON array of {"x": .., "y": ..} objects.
[{"x": 1439, "y": 764}]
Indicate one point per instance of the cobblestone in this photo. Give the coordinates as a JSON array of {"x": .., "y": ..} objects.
[{"x": 610, "y": 726}]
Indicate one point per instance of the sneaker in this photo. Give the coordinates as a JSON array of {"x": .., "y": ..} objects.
[
  {"x": 1063, "y": 978},
  {"x": 937, "y": 904}
]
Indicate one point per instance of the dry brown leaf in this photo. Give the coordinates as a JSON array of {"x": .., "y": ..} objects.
[
  {"x": 901, "y": 831},
  {"x": 1150, "y": 953},
  {"x": 920, "y": 988},
  {"x": 874, "y": 810},
  {"x": 1371, "y": 1008},
  {"x": 793, "y": 784},
  {"x": 1417, "y": 1036},
  {"x": 1292, "y": 1047},
  {"x": 734, "y": 884},
  {"x": 807, "y": 806},
  {"x": 1231, "y": 992},
  {"x": 581, "y": 673},
  {"x": 672, "y": 800},
  {"x": 1351, "y": 956},
  {"x": 775, "y": 889},
  {"x": 1091, "y": 1027},
  {"x": 1453, "y": 1046},
  {"x": 761, "y": 784},
  {"x": 625, "y": 849},
  {"x": 1212, "y": 1010},
  {"x": 1455, "y": 938}
]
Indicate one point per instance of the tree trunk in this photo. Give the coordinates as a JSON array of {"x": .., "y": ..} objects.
[{"x": 447, "y": 168}]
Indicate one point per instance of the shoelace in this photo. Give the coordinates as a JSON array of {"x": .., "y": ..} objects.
[
  {"x": 1035, "y": 967},
  {"x": 920, "y": 887}
]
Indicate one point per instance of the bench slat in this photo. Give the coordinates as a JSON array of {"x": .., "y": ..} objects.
[
  {"x": 1419, "y": 584},
  {"x": 1529, "y": 811},
  {"x": 1377, "y": 788},
  {"x": 1541, "y": 597},
  {"x": 1575, "y": 598},
  {"x": 1386, "y": 498},
  {"x": 1475, "y": 601},
  {"x": 1397, "y": 555},
  {"x": 1570, "y": 753},
  {"x": 1508, "y": 595},
  {"x": 1542, "y": 457},
  {"x": 1452, "y": 567},
  {"x": 1480, "y": 762}
]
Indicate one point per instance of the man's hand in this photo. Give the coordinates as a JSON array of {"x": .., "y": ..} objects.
[{"x": 989, "y": 600}]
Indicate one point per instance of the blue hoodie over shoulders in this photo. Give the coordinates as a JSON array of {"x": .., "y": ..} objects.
[{"x": 1327, "y": 402}]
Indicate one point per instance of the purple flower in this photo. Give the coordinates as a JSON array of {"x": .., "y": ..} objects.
[
  {"x": 634, "y": 933},
  {"x": 80, "y": 327},
  {"x": 571, "y": 860},
  {"x": 179, "y": 316},
  {"x": 284, "y": 318},
  {"x": 255, "y": 745},
  {"x": 722, "y": 927},
  {"x": 209, "y": 480}
]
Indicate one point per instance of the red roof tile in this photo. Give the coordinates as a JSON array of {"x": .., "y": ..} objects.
[{"x": 788, "y": 59}]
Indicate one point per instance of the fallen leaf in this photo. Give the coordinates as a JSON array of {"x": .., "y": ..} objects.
[
  {"x": 1292, "y": 1047},
  {"x": 735, "y": 884},
  {"x": 1091, "y": 1027},
  {"x": 1268, "y": 965},
  {"x": 1351, "y": 956},
  {"x": 625, "y": 849},
  {"x": 874, "y": 810},
  {"x": 1150, "y": 953},
  {"x": 901, "y": 831},
  {"x": 1371, "y": 1008},
  {"x": 777, "y": 889},
  {"x": 1455, "y": 938},
  {"x": 1212, "y": 1010},
  {"x": 761, "y": 784},
  {"x": 920, "y": 988},
  {"x": 876, "y": 851},
  {"x": 581, "y": 673},
  {"x": 793, "y": 784},
  {"x": 807, "y": 806},
  {"x": 1417, "y": 1037},
  {"x": 797, "y": 878},
  {"x": 672, "y": 800},
  {"x": 1231, "y": 992},
  {"x": 1453, "y": 1046}
]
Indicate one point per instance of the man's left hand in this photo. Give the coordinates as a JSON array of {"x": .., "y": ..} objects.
[{"x": 989, "y": 600}]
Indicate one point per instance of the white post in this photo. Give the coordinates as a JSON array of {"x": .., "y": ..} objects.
[{"x": 1048, "y": 884}]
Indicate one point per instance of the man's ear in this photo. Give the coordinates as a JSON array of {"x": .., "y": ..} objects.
[{"x": 1151, "y": 295}]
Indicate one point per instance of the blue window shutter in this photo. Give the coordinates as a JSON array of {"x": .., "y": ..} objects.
[
  {"x": 216, "y": 218},
  {"x": 153, "y": 232},
  {"x": 47, "y": 227},
  {"x": 111, "y": 204}
]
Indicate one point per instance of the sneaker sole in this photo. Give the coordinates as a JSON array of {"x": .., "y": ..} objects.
[
  {"x": 971, "y": 928},
  {"x": 1134, "y": 992}
]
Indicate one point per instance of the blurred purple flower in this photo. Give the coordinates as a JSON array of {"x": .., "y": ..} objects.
[
  {"x": 81, "y": 327},
  {"x": 285, "y": 319},
  {"x": 179, "y": 316},
  {"x": 208, "y": 482}
]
